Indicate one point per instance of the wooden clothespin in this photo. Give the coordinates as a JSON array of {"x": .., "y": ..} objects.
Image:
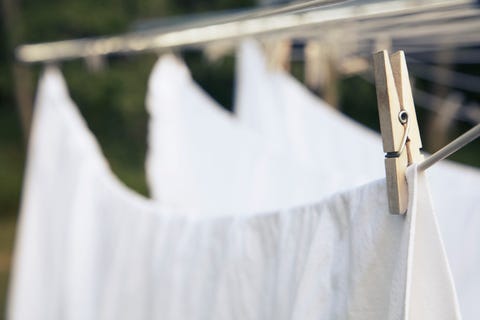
[
  {"x": 279, "y": 54},
  {"x": 398, "y": 124}
]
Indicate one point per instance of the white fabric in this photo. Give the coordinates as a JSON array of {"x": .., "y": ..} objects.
[
  {"x": 430, "y": 289},
  {"x": 455, "y": 193},
  {"x": 202, "y": 160},
  {"x": 333, "y": 144},
  {"x": 256, "y": 102},
  {"x": 320, "y": 137},
  {"x": 88, "y": 248}
]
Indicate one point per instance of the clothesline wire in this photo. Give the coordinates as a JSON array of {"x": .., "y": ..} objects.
[
  {"x": 460, "y": 57},
  {"x": 450, "y": 148},
  {"x": 293, "y": 7},
  {"x": 453, "y": 78},
  {"x": 206, "y": 19},
  {"x": 450, "y": 34},
  {"x": 430, "y": 102},
  {"x": 361, "y": 25},
  {"x": 135, "y": 42},
  {"x": 457, "y": 40},
  {"x": 424, "y": 45},
  {"x": 427, "y": 99},
  {"x": 420, "y": 26}
]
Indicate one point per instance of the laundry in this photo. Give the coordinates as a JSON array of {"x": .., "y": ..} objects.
[
  {"x": 324, "y": 139},
  {"x": 283, "y": 208},
  {"x": 317, "y": 135},
  {"x": 89, "y": 248},
  {"x": 202, "y": 159}
]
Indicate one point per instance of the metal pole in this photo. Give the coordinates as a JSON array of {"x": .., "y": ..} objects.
[
  {"x": 450, "y": 148},
  {"x": 266, "y": 23}
]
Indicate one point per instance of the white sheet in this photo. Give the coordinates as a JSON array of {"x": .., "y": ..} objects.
[
  {"x": 88, "y": 248},
  {"x": 330, "y": 143},
  {"x": 202, "y": 159}
]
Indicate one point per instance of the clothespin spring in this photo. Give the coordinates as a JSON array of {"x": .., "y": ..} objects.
[{"x": 403, "y": 118}]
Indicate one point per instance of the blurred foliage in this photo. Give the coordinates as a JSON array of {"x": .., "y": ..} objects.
[
  {"x": 217, "y": 77},
  {"x": 7, "y": 230},
  {"x": 112, "y": 100}
]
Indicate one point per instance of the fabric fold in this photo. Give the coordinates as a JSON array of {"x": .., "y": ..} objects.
[
  {"x": 330, "y": 143},
  {"x": 201, "y": 159},
  {"x": 88, "y": 248}
]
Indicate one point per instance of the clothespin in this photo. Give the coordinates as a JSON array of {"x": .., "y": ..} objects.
[
  {"x": 95, "y": 63},
  {"x": 398, "y": 124},
  {"x": 278, "y": 53}
]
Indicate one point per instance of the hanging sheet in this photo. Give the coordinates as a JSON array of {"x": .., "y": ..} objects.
[
  {"x": 89, "y": 248},
  {"x": 200, "y": 158},
  {"x": 333, "y": 144}
]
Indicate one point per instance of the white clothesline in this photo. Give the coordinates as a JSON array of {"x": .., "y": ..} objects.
[
  {"x": 451, "y": 148},
  {"x": 281, "y": 21}
]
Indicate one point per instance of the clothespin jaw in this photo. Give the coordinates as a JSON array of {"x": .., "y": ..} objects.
[
  {"x": 398, "y": 124},
  {"x": 405, "y": 96}
]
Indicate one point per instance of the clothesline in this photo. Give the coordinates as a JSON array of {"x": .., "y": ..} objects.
[
  {"x": 453, "y": 79},
  {"x": 227, "y": 31},
  {"x": 427, "y": 99},
  {"x": 451, "y": 148},
  {"x": 469, "y": 113}
]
